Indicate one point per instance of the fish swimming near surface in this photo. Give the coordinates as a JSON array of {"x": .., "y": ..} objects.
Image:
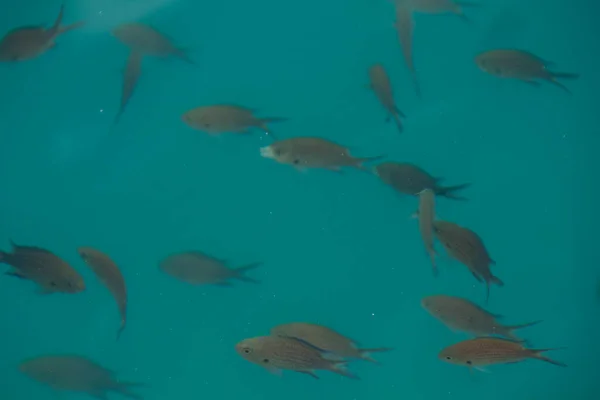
[
  {"x": 313, "y": 152},
  {"x": 221, "y": 118},
  {"x": 74, "y": 373},
  {"x": 462, "y": 315},
  {"x": 48, "y": 271},
  {"x": 197, "y": 268},
  {"x": 481, "y": 352},
  {"x": 405, "y": 26},
  {"x": 110, "y": 275},
  {"x": 466, "y": 246},
  {"x": 521, "y": 65},
  {"x": 28, "y": 42},
  {"x": 426, "y": 216},
  {"x": 131, "y": 75},
  {"x": 410, "y": 179},
  {"x": 148, "y": 41},
  {"x": 382, "y": 87},
  {"x": 275, "y": 354},
  {"x": 326, "y": 339}
]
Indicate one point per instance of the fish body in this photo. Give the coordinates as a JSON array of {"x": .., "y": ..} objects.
[
  {"x": 520, "y": 65},
  {"x": 438, "y": 6},
  {"x": 326, "y": 339},
  {"x": 48, "y": 271},
  {"x": 382, "y": 87},
  {"x": 110, "y": 275},
  {"x": 221, "y": 118},
  {"x": 481, "y": 352},
  {"x": 462, "y": 315},
  {"x": 276, "y": 353},
  {"x": 28, "y": 42},
  {"x": 426, "y": 217},
  {"x": 405, "y": 27},
  {"x": 131, "y": 75},
  {"x": 148, "y": 41},
  {"x": 313, "y": 152},
  {"x": 76, "y": 374},
  {"x": 466, "y": 246},
  {"x": 410, "y": 179},
  {"x": 197, "y": 268}
]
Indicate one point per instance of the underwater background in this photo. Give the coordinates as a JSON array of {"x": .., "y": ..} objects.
[{"x": 338, "y": 249}]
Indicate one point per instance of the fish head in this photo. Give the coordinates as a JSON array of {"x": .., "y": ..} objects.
[
  {"x": 250, "y": 349},
  {"x": 279, "y": 152},
  {"x": 486, "y": 64},
  {"x": 453, "y": 355},
  {"x": 67, "y": 282},
  {"x": 85, "y": 253},
  {"x": 199, "y": 119}
]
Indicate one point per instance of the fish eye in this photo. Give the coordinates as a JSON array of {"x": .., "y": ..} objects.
[
  {"x": 296, "y": 161},
  {"x": 53, "y": 284},
  {"x": 448, "y": 358},
  {"x": 278, "y": 152},
  {"x": 247, "y": 350},
  {"x": 469, "y": 362},
  {"x": 69, "y": 284},
  {"x": 266, "y": 360}
]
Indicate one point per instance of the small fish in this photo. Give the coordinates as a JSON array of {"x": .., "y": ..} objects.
[
  {"x": 110, "y": 275},
  {"x": 426, "y": 215},
  {"x": 28, "y": 42},
  {"x": 131, "y": 74},
  {"x": 276, "y": 353},
  {"x": 313, "y": 152},
  {"x": 223, "y": 118},
  {"x": 521, "y": 65},
  {"x": 466, "y": 246},
  {"x": 382, "y": 87},
  {"x": 480, "y": 352},
  {"x": 197, "y": 268},
  {"x": 441, "y": 7},
  {"x": 48, "y": 271},
  {"x": 148, "y": 41},
  {"x": 76, "y": 374},
  {"x": 405, "y": 26},
  {"x": 410, "y": 179},
  {"x": 326, "y": 339},
  {"x": 462, "y": 315}
]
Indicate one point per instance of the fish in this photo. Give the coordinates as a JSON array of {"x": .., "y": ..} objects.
[
  {"x": 131, "y": 75},
  {"x": 481, "y": 352},
  {"x": 466, "y": 246},
  {"x": 426, "y": 215},
  {"x": 197, "y": 268},
  {"x": 276, "y": 354},
  {"x": 148, "y": 41},
  {"x": 313, "y": 152},
  {"x": 382, "y": 87},
  {"x": 221, "y": 118},
  {"x": 110, "y": 275},
  {"x": 441, "y": 7},
  {"x": 326, "y": 339},
  {"x": 49, "y": 272},
  {"x": 76, "y": 374},
  {"x": 405, "y": 26},
  {"x": 521, "y": 65},
  {"x": 410, "y": 179},
  {"x": 29, "y": 42},
  {"x": 462, "y": 315}
]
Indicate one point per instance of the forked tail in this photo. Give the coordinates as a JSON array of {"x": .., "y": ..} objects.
[
  {"x": 450, "y": 191},
  {"x": 365, "y": 354},
  {"x": 240, "y": 272},
  {"x": 537, "y": 354},
  {"x": 124, "y": 388},
  {"x": 554, "y": 76}
]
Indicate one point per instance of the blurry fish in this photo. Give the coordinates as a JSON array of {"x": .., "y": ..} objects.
[
  {"x": 460, "y": 314},
  {"x": 222, "y": 118},
  {"x": 28, "y": 42},
  {"x": 405, "y": 27},
  {"x": 283, "y": 353},
  {"x": 313, "y": 152},
  {"x": 382, "y": 87},
  {"x": 325, "y": 339},
  {"x": 409, "y": 179},
  {"x": 441, "y": 7},
  {"x": 110, "y": 275},
  {"x": 76, "y": 374},
  {"x": 51, "y": 273},
  {"x": 426, "y": 215},
  {"x": 131, "y": 74},
  {"x": 480, "y": 352},
  {"x": 198, "y": 268},
  {"x": 148, "y": 41},
  {"x": 521, "y": 65},
  {"x": 466, "y": 246}
]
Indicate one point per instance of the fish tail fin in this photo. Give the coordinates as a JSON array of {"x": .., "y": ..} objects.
[
  {"x": 121, "y": 329},
  {"x": 565, "y": 75},
  {"x": 66, "y": 28},
  {"x": 521, "y": 326},
  {"x": 340, "y": 367},
  {"x": 496, "y": 281},
  {"x": 2, "y": 255},
  {"x": 360, "y": 161},
  {"x": 263, "y": 124},
  {"x": 398, "y": 121},
  {"x": 55, "y": 29},
  {"x": 240, "y": 272},
  {"x": 125, "y": 389},
  {"x": 182, "y": 54},
  {"x": 432, "y": 256},
  {"x": 554, "y": 76},
  {"x": 449, "y": 192},
  {"x": 365, "y": 354},
  {"x": 537, "y": 354}
]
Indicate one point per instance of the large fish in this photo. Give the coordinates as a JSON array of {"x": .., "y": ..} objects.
[{"x": 28, "y": 42}]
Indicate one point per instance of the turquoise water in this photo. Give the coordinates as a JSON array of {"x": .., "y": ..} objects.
[{"x": 338, "y": 249}]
